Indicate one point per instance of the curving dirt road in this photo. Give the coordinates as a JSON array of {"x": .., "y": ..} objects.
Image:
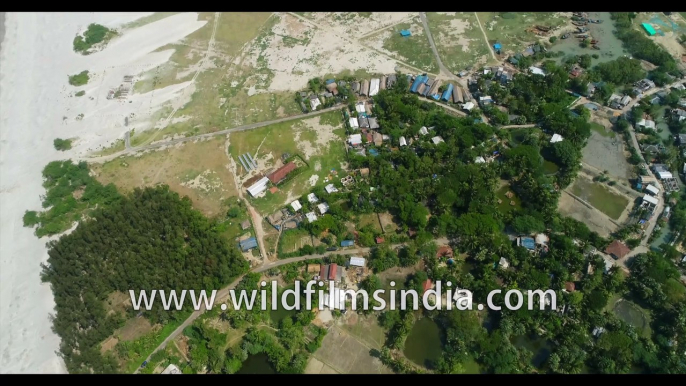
[{"x": 490, "y": 49}]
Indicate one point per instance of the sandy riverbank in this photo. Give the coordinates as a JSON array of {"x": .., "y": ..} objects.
[{"x": 38, "y": 106}]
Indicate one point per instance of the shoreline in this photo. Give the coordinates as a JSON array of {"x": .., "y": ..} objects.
[{"x": 39, "y": 106}]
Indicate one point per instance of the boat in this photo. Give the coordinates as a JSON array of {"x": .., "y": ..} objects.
[
  {"x": 579, "y": 24},
  {"x": 582, "y": 36},
  {"x": 594, "y": 41},
  {"x": 595, "y": 47}
]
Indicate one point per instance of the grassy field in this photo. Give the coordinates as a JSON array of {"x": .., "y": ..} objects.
[
  {"x": 509, "y": 28},
  {"x": 367, "y": 329},
  {"x": 230, "y": 227},
  {"x": 196, "y": 169},
  {"x": 315, "y": 139},
  {"x": 414, "y": 50},
  {"x": 600, "y": 129},
  {"x": 294, "y": 239},
  {"x": 459, "y": 41},
  {"x": 634, "y": 315},
  {"x": 600, "y": 197},
  {"x": 369, "y": 219}
]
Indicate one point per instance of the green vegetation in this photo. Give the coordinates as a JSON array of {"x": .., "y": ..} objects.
[
  {"x": 414, "y": 49},
  {"x": 600, "y": 197},
  {"x": 131, "y": 242},
  {"x": 71, "y": 193},
  {"x": 62, "y": 144},
  {"x": 80, "y": 93},
  {"x": 79, "y": 79},
  {"x": 95, "y": 34}
]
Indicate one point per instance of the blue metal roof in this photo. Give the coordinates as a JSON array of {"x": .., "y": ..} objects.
[
  {"x": 248, "y": 244},
  {"x": 330, "y": 81},
  {"x": 347, "y": 243},
  {"x": 447, "y": 94},
  {"x": 528, "y": 243},
  {"x": 373, "y": 152},
  {"x": 405, "y": 33},
  {"x": 417, "y": 81},
  {"x": 497, "y": 46}
]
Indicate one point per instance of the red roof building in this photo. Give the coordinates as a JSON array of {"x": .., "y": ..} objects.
[
  {"x": 323, "y": 271},
  {"x": 570, "y": 287},
  {"x": 428, "y": 285},
  {"x": 444, "y": 251},
  {"x": 617, "y": 249},
  {"x": 379, "y": 240},
  {"x": 332, "y": 271},
  {"x": 282, "y": 172}
]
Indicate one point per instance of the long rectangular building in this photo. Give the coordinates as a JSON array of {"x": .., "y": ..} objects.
[
  {"x": 279, "y": 174},
  {"x": 374, "y": 87},
  {"x": 258, "y": 187},
  {"x": 457, "y": 95}
]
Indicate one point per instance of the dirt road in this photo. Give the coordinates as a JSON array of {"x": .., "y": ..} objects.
[
  {"x": 170, "y": 142},
  {"x": 444, "y": 71},
  {"x": 224, "y": 293},
  {"x": 490, "y": 49},
  {"x": 456, "y": 111}
]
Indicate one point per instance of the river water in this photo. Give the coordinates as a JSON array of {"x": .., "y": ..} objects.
[{"x": 610, "y": 47}]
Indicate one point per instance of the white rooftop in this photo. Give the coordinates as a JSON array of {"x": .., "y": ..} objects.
[
  {"x": 359, "y": 107},
  {"x": 437, "y": 139},
  {"x": 355, "y": 139},
  {"x": 323, "y": 207},
  {"x": 357, "y": 261},
  {"x": 646, "y": 123},
  {"x": 650, "y": 199},
  {"x": 480, "y": 160},
  {"x": 353, "y": 123},
  {"x": 312, "y": 198},
  {"x": 556, "y": 138},
  {"x": 665, "y": 175},
  {"x": 403, "y": 142},
  {"x": 468, "y": 106},
  {"x": 504, "y": 263},
  {"x": 311, "y": 217},
  {"x": 296, "y": 205},
  {"x": 330, "y": 188},
  {"x": 423, "y": 131},
  {"x": 652, "y": 189},
  {"x": 258, "y": 187},
  {"x": 314, "y": 103},
  {"x": 536, "y": 70}
]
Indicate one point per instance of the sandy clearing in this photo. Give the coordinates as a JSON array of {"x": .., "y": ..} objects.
[
  {"x": 34, "y": 94},
  {"x": 322, "y": 53}
]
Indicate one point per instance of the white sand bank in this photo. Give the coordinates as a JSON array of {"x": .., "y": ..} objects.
[{"x": 35, "y": 60}]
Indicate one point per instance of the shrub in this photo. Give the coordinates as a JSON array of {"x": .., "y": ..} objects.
[
  {"x": 79, "y": 79},
  {"x": 62, "y": 144},
  {"x": 95, "y": 34},
  {"x": 80, "y": 93}
]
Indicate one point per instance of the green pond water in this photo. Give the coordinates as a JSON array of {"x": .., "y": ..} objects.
[
  {"x": 423, "y": 344},
  {"x": 257, "y": 364},
  {"x": 540, "y": 347},
  {"x": 504, "y": 205},
  {"x": 550, "y": 168},
  {"x": 610, "y": 47}
]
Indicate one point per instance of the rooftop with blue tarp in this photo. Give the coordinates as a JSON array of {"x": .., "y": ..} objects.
[
  {"x": 448, "y": 92},
  {"x": 248, "y": 244},
  {"x": 347, "y": 243},
  {"x": 405, "y": 33},
  {"x": 373, "y": 152},
  {"x": 497, "y": 46},
  {"x": 528, "y": 243},
  {"x": 418, "y": 81},
  {"x": 330, "y": 81}
]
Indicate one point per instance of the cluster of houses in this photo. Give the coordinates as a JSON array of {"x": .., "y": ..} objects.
[
  {"x": 619, "y": 102},
  {"x": 429, "y": 87},
  {"x": 322, "y": 207},
  {"x": 373, "y": 86},
  {"x": 666, "y": 177},
  {"x": 529, "y": 51},
  {"x": 341, "y": 278},
  {"x": 258, "y": 184}
]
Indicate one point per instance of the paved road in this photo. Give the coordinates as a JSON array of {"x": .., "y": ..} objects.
[
  {"x": 224, "y": 293},
  {"x": 444, "y": 71},
  {"x": 213, "y": 134}
]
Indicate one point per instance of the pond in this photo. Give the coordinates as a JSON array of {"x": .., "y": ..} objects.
[
  {"x": 423, "y": 344},
  {"x": 631, "y": 314},
  {"x": 550, "y": 168},
  {"x": 610, "y": 47},
  {"x": 257, "y": 364},
  {"x": 665, "y": 237},
  {"x": 541, "y": 347}
]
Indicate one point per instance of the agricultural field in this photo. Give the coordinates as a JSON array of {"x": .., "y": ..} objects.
[
  {"x": 459, "y": 40},
  {"x": 198, "y": 170},
  {"x": 414, "y": 50},
  {"x": 510, "y": 28},
  {"x": 342, "y": 352},
  {"x": 598, "y": 195},
  {"x": 293, "y": 239},
  {"x": 317, "y": 140},
  {"x": 596, "y": 221}
]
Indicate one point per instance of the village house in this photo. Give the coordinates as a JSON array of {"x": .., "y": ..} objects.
[
  {"x": 314, "y": 102},
  {"x": 323, "y": 208},
  {"x": 444, "y": 252},
  {"x": 280, "y": 174},
  {"x": 645, "y": 84},
  {"x": 296, "y": 205},
  {"x": 258, "y": 187},
  {"x": 681, "y": 140},
  {"x": 617, "y": 250},
  {"x": 646, "y": 124},
  {"x": 353, "y": 123},
  {"x": 679, "y": 114},
  {"x": 312, "y": 198},
  {"x": 245, "y": 225},
  {"x": 355, "y": 140},
  {"x": 311, "y": 216},
  {"x": 330, "y": 188}
]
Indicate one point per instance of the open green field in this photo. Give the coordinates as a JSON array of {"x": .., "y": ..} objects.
[
  {"x": 317, "y": 140},
  {"x": 371, "y": 219},
  {"x": 414, "y": 50},
  {"x": 634, "y": 315},
  {"x": 367, "y": 329},
  {"x": 293, "y": 239},
  {"x": 459, "y": 40},
  {"x": 510, "y": 28},
  {"x": 600, "y": 129},
  {"x": 600, "y": 197}
]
